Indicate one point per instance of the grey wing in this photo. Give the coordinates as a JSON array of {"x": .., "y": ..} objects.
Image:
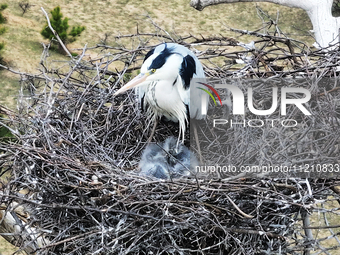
[
  {"x": 193, "y": 96},
  {"x": 196, "y": 98}
]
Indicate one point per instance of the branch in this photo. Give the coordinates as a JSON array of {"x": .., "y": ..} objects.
[
  {"x": 201, "y": 4},
  {"x": 55, "y": 34},
  {"x": 21, "y": 73}
]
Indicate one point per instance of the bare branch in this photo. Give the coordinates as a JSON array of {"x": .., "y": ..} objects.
[{"x": 55, "y": 34}]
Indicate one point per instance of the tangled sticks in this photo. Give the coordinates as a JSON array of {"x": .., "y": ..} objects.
[{"x": 73, "y": 166}]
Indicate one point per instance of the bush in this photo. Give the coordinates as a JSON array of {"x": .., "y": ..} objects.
[
  {"x": 2, "y": 18},
  {"x": 61, "y": 26}
]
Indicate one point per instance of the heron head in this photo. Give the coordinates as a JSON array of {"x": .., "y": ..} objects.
[{"x": 163, "y": 65}]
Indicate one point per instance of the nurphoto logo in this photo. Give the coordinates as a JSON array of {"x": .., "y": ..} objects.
[
  {"x": 239, "y": 108},
  {"x": 238, "y": 99}
]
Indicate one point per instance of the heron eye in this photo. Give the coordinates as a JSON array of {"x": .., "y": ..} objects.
[{"x": 153, "y": 70}]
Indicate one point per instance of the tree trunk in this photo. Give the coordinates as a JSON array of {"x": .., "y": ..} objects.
[{"x": 325, "y": 26}]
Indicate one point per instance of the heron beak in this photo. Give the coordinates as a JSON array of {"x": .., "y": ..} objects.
[{"x": 133, "y": 83}]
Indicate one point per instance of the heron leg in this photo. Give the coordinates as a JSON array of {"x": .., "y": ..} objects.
[
  {"x": 197, "y": 142},
  {"x": 153, "y": 130}
]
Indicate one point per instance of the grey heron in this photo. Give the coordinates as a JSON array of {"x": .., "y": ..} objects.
[{"x": 168, "y": 73}]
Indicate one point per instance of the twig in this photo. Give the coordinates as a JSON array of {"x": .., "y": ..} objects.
[{"x": 55, "y": 34}]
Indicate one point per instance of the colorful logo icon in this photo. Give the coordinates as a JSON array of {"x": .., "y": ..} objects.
[{"x": 213, "y": 90}]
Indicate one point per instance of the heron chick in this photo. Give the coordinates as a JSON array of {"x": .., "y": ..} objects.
[{"x": 167, "y": 160}]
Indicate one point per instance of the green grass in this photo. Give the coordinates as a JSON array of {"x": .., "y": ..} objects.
[{"x": 9, "y": 87}]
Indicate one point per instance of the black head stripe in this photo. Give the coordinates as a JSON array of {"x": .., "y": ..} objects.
[
  {"x": 142, "y": 104},
  {"x": 148, "y": 54},
  {"x": 188, "y": 113},
  {"x": 159, "y": 61},
  {"x": 187, "y": 70}
]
